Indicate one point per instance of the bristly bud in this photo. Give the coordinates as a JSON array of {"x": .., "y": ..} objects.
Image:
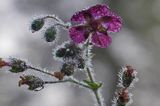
[
  {"x": 50, "y": 34},
  {"x": 127, "y": 76},
  {"x": 68, "y": 50},
  {"x": 3, "y": 63},
  {"x": 68, "y": 68},
  {"x": 34, "y": 83},
  {"x": 17, "y": 65},
  {"x": 80, "y": 63},
  {"x": 37, "y": 24},
  {"x": 123, "y": 98}
]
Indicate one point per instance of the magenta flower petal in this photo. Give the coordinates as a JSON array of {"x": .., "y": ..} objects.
[
  {"x": 112, "y": 23},
  {"x": 79, "y": 17},
  {"x": 78, "y": 34},
  {"x": 101, "y": 40},
  {"x": 99, "y": 11}
]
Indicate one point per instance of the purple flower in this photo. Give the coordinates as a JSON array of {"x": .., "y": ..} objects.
[{"x": 97, "y": 21}]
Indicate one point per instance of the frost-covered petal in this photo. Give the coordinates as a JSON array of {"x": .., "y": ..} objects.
[
  {"x": 99, "y": 11},
  {"x": 80, "y": 17},
  {"x": 101, "y": 40},
  {"x": 112, "y": 23},
  {"x": 78, "y": 34}
]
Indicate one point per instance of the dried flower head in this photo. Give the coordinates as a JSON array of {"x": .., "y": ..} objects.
[
  {"x": 33, "y": 82},
  {"x": 96, "y": 21},
  {"x": 3, "y": 63},
  {"x": 59, "y": 75}
]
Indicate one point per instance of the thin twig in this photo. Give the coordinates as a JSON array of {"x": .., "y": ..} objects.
[
  {"x": 39, "y": 70},
  {"x": 69, "y": 80}
]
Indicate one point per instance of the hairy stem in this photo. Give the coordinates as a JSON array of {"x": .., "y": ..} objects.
[
  {"x": 71, "y": 80},
  {"x": 59, "y": 21},
  {"x": 91, "y": 77},
  {"x": 39, "y": 70}
]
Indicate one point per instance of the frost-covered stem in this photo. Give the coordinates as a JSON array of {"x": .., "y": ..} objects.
[
  {"x": 97, "y": 95},
  {"x": 69, "y": 80},
  {"x": 91, "y": 77},
  {"x": 72, "y": 80},
  {"x": 39, "y": 70},
  {"x": 59, "y": 21}
]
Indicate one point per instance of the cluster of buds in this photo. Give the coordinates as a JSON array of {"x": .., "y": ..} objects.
[
  {"x": 72, "y": 57},
  {"x": 67, "y": 69},
  {"x": 15, "y": 65},
  {"x": 34, "y": 83},
  {"x": 127, "y": 78}
]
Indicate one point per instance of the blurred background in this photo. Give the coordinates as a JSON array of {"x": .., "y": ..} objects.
[{"x": 137, "y": 44}]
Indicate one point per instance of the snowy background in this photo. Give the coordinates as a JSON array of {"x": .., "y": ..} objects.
[{"x": 137, "y": 44}]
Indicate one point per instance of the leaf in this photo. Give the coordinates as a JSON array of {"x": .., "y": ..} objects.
[{"x": 93, "y": 85}]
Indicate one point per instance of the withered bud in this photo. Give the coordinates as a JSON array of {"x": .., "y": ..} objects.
[
  {"x": 59, "y": 75},
  {"x": 34, "y": 83}
]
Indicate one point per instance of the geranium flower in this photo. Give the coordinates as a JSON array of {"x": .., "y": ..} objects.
[{"x": 96, "y": 21}]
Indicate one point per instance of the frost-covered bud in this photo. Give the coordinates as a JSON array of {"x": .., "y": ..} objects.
[
  {"x": 80, "y": 63},
  {"x": 68, "y": 50},
  {"x": 3, "y": 63},
  {"x": 123, "y": 98},
  {"x": 68, "y": 68},
  {"x": 37, "y": 24},
  {"x": 34, "y": 83},
  {"x": 17, "y": 65},
  {"x": 128, "y": 76},
  {"x": 50, "y": 34}
]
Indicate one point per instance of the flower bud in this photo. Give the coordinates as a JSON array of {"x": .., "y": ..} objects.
[
  {"x": 80, "y": 63},
  {"x": 68, "y": 68},
  {"x": 128, "y": 76},
  {"x": 123, "y": 98},
  {"x": 37, "y": 24},
  {"x": 34, "y": 83},
  {"x": 50, "y": 34},
  {"x": 17, "y": 66},
  {"x": 60, "y": 52}
]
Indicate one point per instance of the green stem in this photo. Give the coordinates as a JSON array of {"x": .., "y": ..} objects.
[
  {"x": 91, "y": 77},
  {"x": 51, "y": 82},
  {"x": 69, "y": 80},
  {"x": 59, "y": 21}
]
